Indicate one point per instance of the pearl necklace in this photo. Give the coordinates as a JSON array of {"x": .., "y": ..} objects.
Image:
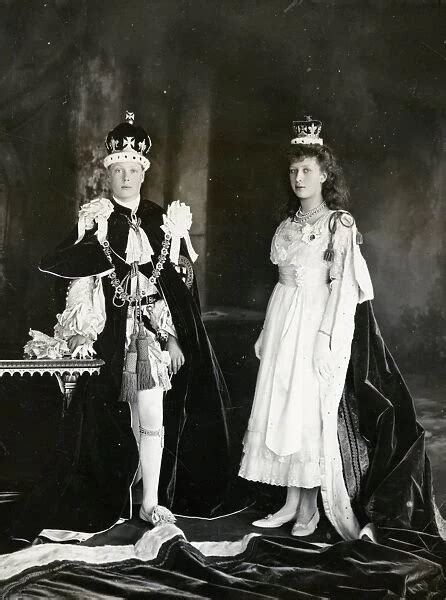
[{"x": 310, "y": 213}]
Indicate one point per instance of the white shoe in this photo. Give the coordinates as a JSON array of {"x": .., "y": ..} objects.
[
  {"x": 304, "y": 529},
  {"x": 157, "y": 516},
  {"x": 270, "y": 521}
]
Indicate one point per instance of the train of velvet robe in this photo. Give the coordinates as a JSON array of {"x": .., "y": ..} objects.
[{"x": 375, "y": 471}]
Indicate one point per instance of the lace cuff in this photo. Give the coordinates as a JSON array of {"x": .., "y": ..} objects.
[
  {"x": 160, "y": 318},
  {"x": 84, "y": 314}
]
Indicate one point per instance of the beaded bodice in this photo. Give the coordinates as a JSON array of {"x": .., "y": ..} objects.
[
  {"x": 303, "y": 246},
  {"x": 297, "y": 244}
]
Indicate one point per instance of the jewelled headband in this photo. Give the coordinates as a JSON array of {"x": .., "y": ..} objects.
[
  {"x": 307, "y": 132},
  {"x": 127, "y": 143}
]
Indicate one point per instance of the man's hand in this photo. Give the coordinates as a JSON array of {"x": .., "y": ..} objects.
[
  {"x": 176, "y": 354},
  {"x": 75, "y": 341},
  {"x": 322, "y": 358}
]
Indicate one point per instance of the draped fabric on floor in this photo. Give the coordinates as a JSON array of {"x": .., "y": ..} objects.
[{"x": 163, "y": 564}]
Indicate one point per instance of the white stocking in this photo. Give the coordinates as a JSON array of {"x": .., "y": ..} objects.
[
  {"x": 308, "y": 502},
  {"x": 151, "y": 434}
]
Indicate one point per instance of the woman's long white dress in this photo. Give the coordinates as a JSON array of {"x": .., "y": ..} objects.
[{"x": 283, "y": 441}]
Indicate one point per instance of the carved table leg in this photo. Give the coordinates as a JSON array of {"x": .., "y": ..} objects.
[{"x": 67, "y": 384}]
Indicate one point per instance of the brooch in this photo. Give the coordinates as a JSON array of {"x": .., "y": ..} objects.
[{"x": 308, "y": 235}]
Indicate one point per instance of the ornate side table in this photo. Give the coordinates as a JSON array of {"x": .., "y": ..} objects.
[{"x": 67, "y": 371}]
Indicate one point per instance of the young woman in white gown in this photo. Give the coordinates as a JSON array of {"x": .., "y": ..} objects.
[{"x": 299, "y": 370}]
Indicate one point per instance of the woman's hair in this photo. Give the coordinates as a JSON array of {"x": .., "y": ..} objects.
[{"x": 334, "y": 189}]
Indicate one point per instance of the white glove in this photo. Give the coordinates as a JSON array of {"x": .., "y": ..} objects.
[{"x": 258, "y": 346}]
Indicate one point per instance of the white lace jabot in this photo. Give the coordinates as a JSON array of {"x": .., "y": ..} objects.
[{"x": 138, "y": 246}]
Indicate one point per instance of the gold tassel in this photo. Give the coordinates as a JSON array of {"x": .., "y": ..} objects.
[
  {"x": 145, "y": 379},
  {"x": 129, "y": 388}
]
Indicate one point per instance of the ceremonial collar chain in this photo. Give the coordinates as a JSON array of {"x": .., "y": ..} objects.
[
  {"x": 301, "y": 216},
  {"x": 122, "y": 295}
]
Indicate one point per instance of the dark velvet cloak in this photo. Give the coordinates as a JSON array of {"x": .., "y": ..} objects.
[
  {"x": 386, "y": 468},
  {"x": 86, "y": 488}
]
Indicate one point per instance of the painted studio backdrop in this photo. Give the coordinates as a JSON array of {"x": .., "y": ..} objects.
[{"x": 216, "y": 85}]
